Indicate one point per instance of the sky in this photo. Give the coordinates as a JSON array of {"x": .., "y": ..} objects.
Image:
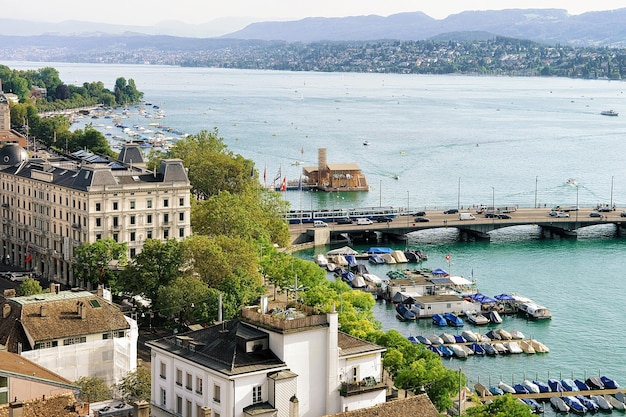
[{"x": 145, "y": 13}]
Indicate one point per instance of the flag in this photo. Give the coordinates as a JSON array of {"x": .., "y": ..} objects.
[
  {"x": 448, "y": 257},
  {"x": 278, "y": 175},
  {"x": 283, "y": 186},
  {"x": 29, "y": 251}
]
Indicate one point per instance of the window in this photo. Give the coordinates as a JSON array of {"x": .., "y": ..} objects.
[
  {"x": 116, "y": 237},
  {"x": 166, "y": 234},
  {"x": 166, "y": 202},
  {"x": 163, "y": 397},
  {"x": 132, "y": 204},
  {"x": 133, "y": 252},
  {"x": 132, "y": 219},
  {"x": 132, "y": 236},
  {"x": 106, "y": 336},
  {"x": 179, "y": 404},
  {"x": 98, "y": 236},
  {"x": 179, "y": 377},
  {"x": 46, "y": 344},
  {"x": 98, "y": 221},
  {"x": 149, "y": 218},
  {"x": 181, "y": 201},
  {"x": 181, "y": 216},
  {"x": 199, "y": 385},
  {"x": 256, "y": 394},
  {"x": 116, "y": 221},
  {"x": 148, "y": 234},
  {"x": 166, "y": 218},
  {"x": 188, "y": 381},
  {"x": 98, "y": 206},
  {"x": 163, "y": 370},
  {"x": 188, "y": 409},
  {"x": 217, "y": 393},
  {"x": 74, "y": 340},
  {"x": 115, "y": 205},
  {"x": 181, "y": 232},
  {"x": 149, "y": 204}
]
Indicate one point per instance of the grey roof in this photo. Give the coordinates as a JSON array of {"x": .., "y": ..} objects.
[
  {"x": 222, "y": 348},
  {"x": 131, "y": 154}
]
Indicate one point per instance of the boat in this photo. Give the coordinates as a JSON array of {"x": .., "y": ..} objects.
[
  {"x": 320, "y": 259},
  {"x": 520, "y": 389},
  {"x": 609, "y": 383},
  {"x": 447, "y": 338},
  {"x": 517, "y": 335},
  {"x": 404, "y": 312},
  {"x": 446, "y": 351},
  {"x": 506, "y": 388},
  {"x": 500, "y": 348},
  {"x": 476, "y": 318},
  {"x": 494, "y": 317},
  {"x": 534, "y": 404},
  {"x": 453, "y": 320},
  {"x": 413, "y": 340},
  {"x": 399, "y": 257},
  {"x": 459, "y": 338},
  {"x": 534, "y": 311},
  {"x": 439, "y": 320},
  {"x": 388, "y": 258},
  {"x": 297, "y": 163},
  {"x": 376, "y": 259},
  {"x": 569, "y": 385},
  {"x": 617, "y": 404},
  {"x": 555, "y": 385},
  {"x": 330, "y": 267},
  {"x": 538, "y": 346},
  {"x": 572, "y": 182},
  {"x": 609, "y": 113},
  {"x": 620, "y": 396},
  {"x": 531, "y": 387},
  {"x": 467, "y": 350},
  {"x": 581, "y": 385},
  {"x": 477, "y": 348},
  {"x": 526, "y": 346},
  {"x": 543, "y": 387},
  {"x": 602, "y": 402},
  {"x": 493, "y": 335},
  {"x": 489, "y": 349},
  {"x": 494, "y": 390},
  {"x": 423, "y": 340},
  {"x": 469, "y": 335},
  {"x": 373, "y": 279},
  {"x": 513, "y": 347},
  {"x": 365, "y": 143},
  {"x": 435, "y": 340},
  {"x": 575, "y": 405},
  {"x": 559, "y": 404},
  {"x": 594, "y": 382},
  {"x": 590, "y": 404},
  {"x": 504, "y": 335},
  {"x": 459, "y": 352},
  {"x": 435, "y": 349}
]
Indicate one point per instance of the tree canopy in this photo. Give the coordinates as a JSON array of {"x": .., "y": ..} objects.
[{"x": 98, "y": 262}]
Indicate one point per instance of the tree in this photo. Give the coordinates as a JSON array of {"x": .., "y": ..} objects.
[
  {"x": 158, "y": 264},
  {"x": 95, "y": 262},
  {"x": 135, "y": 386},
  {"x": 93, "y": 389},
  {"x": 501, "y": 406},
  {"x": 190, "y": 300},
  {"x": 29, "y": 286}
]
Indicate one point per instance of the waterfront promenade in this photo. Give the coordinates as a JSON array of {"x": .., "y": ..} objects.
[{"x": 475, "y": 229}]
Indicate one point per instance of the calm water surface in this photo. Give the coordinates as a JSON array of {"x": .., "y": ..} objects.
[{"x": 450, "y": 140}]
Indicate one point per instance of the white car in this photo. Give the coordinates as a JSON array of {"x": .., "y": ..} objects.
[
  {"x": 17, "y": 277},
  {"x": 555, "y": 213}
]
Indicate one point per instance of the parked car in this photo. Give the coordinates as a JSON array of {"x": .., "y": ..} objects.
[
  {"x": 384, "y": 219},
  {"x": 604, "y": 209},
  {"x": 503, "y": 216},
  {"x": 344, "y": 220},
  {"x": 421, "y": 220},
  {"x": 364, "y": 220},
  {"x": 451, "y": 211},
  {"x": 622, "y": 214},
  {"x": 595, "y": 214}
]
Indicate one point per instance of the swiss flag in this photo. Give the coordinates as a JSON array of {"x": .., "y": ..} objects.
[{"x": 283, "y": 186}]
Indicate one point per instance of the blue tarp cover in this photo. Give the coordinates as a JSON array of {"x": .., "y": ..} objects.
[
  {"x": 482, "y": 298},
  {"x": 503, "y": 297},
  {"x": 379, "y": 250},
  {"x": 440, "y": 280},
  {"x": 439, "y": 271}
]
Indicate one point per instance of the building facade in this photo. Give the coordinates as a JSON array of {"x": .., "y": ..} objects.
[
  {"x": 50, "y": 205},
  {"x": 281, "y": 364}
]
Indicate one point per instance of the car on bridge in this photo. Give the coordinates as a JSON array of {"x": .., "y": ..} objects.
[
  {"x": 384, "y": 219},
  {"x": 451, "y": 211},
  {"x": 421, "y": 219},
  {"x": 503, "y": 216},
  {"x": 344, "y": 220},
  {"x": 595, "y": 214},
  {"x": 555, "y": 213}
]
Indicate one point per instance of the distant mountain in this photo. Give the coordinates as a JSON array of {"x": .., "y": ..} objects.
[{"x": 548, "y": 26}]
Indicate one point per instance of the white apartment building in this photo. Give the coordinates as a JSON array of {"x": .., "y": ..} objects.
[
  {"x": 50, "y": 205},
  {"x": 280, "y": 364}
]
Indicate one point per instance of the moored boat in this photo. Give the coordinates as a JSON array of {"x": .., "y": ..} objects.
[
  {"x": 534, "y": 311},
  {"x": 569, "y": 385},
  {"x": 435, "y": 340},
  {"x": 500, "y": 348},
  {"x": 609, "y": 383},
  {"x": 581, "y": 385},
  {"x": 453, "y": 320},
  {"x": 520, "y": 389},
  {"x": 376, "y": 259},
  {"x": 458, "y": 351},
  {"x": 575, "y": 405},
  {"x": 531, "y": 386},
  {"x": 594, "y": 382},
  {"x": 504, "y": 335},
  {"x": 506, "y": 388},
  {"x": 320, "y": 260},
  {"x": 555, "y": 385},
  {"x": 517, "y": 335},
  {"x": 446, "y": 351},
  {"x": 435, "y": 349},
  {"x": 559, "y": 404},
  {"x": 476, "y": 318},
  {"x": 534, "y": 404},
  {"x": 494, "y": 317},
  {"x": 495, "y": 390},
  {"x": 423, "y": 340},
  {"x": 526, "y": 346},
  {"x": 477, "y": 348},
  {"x": 590, "y": 404},
  {"x": 538, "y": 346},
  {"x": 469, "y": 335},
  {"x": 617, "y": 404},
  {"x": 602, "y": 402},
  {"x": 513, "y": 347},
  {"x": 404, "y": 313},
  {"x": 543, "y": 387},
  {"x": 439, "y": 320},
  {"x": 609, "y": 113},
  {"x": 489, "y": 349},
  {"x": 447, "y": 338}
]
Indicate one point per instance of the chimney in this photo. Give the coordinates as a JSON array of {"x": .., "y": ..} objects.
[
  {"x": 264, "y": 304},
  {"x": 55, "y": 288},
  {"x": 6, "y": 310},
  {"x": 141, "y": 409},
  {"x": 83, "y": 311},
  {"x": 294, "y": 406},
  {"x": 100, "y": 291},
  {"x": 16, "y": 409},
  {"x": 205, "y": 412},
  {"x": 43, "y": 311}
]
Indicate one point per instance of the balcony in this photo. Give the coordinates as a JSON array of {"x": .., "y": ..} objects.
[
  {"x": 367, "y": 384},
  {"x": 76, "y": 226}
]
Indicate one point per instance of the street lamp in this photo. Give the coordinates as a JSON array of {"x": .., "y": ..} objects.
[
  {"x": 577, "y": 203},
  {"x": 408, "y": 206},
  {"x": 493, "y": 204},
  {"x": 380, "y": 193},
  {"x": 458, "y": 198},
  {"x": 611, "y": 206},
  {"x": 536, "y": 181}
]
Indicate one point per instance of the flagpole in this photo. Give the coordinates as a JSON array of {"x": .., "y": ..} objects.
[{"x": 300, "y": 195}]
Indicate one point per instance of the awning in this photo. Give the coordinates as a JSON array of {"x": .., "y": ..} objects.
[
  {"x": 460, "y": 280},
  {"x": 482, "y": 298},
  {"x": 439, "y": 271},
  {"x": 346, "y": 250},
  {"x": 504, "y": 297},
  {"x": 379, "y": 250}
]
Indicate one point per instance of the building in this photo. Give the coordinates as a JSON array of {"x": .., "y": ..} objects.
[
  {"x": 334, "y": 177},
  {"x": 52, "y": 204},
  {"x": 286, "y": 363},
  {"x": 8, "y": 135},
  {"x": 71, "y": 333}
]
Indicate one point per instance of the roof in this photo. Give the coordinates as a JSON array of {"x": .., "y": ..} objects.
[
  {"x": 14, "y": 365},
  {"x": 61, "y": 319},
  {"x": 222, "y": 348},
  {"x": 351, "y": 345},
  {"x": 416, "y": 406}
]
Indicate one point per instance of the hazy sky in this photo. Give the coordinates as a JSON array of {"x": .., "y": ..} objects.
[{"x": 143, "y": 12}]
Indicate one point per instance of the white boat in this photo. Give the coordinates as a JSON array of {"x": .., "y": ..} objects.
[
  {"x": 467, "y": 350},
  {"x": 331, "y": 266},
  {"x": 559, "y": 404},
  {"x": 526, "y": 346},
  {"x": 476, "y": 318},
  {"x": 500, "y": 348},
  {"x": 530, "y": 386},
  {"x": 506, "y": 388},
  {"x": 297, "y": 163},
  {"x": 513, "y": 347},
  {"x": 572, "y": 182},
  {"x": 609, "y": 113},
  {"x": 469, "y": 335},
  {"x": 517, "y": 335},
  {"x": 494, "y": 317},
  {"x": 374, "y": 279},
  {"x": 388, "y": 258},
  {"x": 617, "y": 404},
  {"x": 339, "y": 260},
  {"x": 398, "y": 255},
  {"x": 602, "y": 402},
  {"x": 435, "y": 340},
  {"x": 534, "y": 311},
  {"x": 458, "y": 351},
  {"x": 321, "y": 260},
  {"x": 538, "y": 346},
  {"x": 504, "y": 334},
  {"x": 447, "y": 338}
]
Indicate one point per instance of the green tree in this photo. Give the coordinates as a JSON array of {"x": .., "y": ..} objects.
[
  {"x": 136, "y": 386},
  {"x": 158, "y": 264},
  {"x": 91, "y": 139},
  {"x": 93, "y": 389},
  {"x": 501, "y": 406},
  {"x": 97, "y": 262},
  {"x": 29, "y": 286},
  {"x": 189, "y": 299}
]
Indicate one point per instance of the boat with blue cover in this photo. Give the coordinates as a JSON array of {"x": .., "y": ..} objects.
[
  {"x": 446, "y": 351},
  {"x": 589, "y": 404},
  {"x": 423, "y": 340},
  {"x": 559, "y": 404},
  {"x": 594, "y": 382},
  {"x": 495, "y": 390},
  {"x": 555, "y": 385},
  {"x": 376, "y": 259},
  {"x": 404, "y": 313},
  {"x": 520, "y": 389},
  {"x": 609, "y": 383},
  {"x": 435, "y": 349},
  {"x": 489, "y": 349},
  {"x": 459, "y": 338},
  {"x": 569, "y": 385},
  {"x": 534, "y": 404},
  {"x": 439, "y": 320},
  {"x": 477, "y": 348},
  {"x": 575, "y": 405},
  {"x": 581, "y": 385},
  {"x": 453, "y": 320},
  {"x": 543, "y": 387}
]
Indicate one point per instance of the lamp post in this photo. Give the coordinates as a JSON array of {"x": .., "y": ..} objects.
[
  {"x": 380, "y": 193},
  {"x": 408, "y": 207},
  {"x": 458, "y": 196},
  {"x": 536, "y": 181},
  {"x": 493, "y": 204},
  {"x": 576, "y": 203},
  {"x": 612, "y": 178}
]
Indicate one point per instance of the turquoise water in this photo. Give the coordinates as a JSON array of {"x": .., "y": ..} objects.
[{"x": 451, "y": 141}]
